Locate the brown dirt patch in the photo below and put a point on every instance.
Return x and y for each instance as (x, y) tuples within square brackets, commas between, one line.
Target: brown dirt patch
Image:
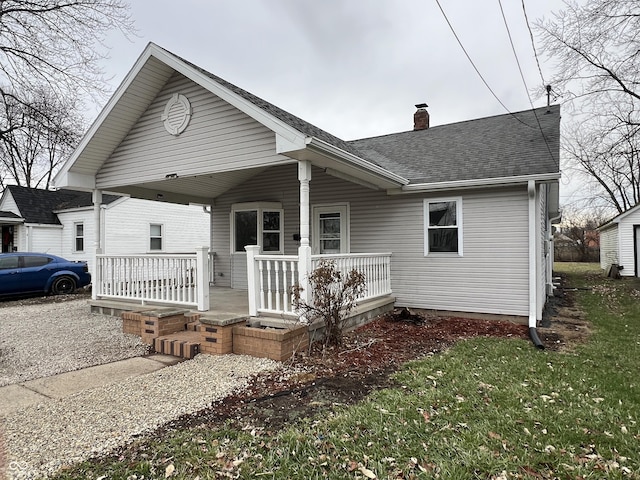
[(564, 327)]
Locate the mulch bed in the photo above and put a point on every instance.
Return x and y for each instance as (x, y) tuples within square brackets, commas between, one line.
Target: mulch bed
[(346, 374)]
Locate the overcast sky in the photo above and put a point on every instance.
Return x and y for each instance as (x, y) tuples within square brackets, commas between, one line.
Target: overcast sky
[(355, 68)]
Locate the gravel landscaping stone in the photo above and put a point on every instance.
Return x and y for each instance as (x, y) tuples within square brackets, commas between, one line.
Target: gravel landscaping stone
[(41, 439), (44, 339)]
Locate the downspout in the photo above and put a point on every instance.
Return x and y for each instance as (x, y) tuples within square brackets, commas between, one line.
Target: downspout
[(533, 266)]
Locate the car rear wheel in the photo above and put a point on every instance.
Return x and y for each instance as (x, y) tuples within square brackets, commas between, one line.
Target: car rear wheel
[(63, 285)]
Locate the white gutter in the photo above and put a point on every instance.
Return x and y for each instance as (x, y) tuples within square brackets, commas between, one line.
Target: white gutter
[(323, 147), (474, 183)]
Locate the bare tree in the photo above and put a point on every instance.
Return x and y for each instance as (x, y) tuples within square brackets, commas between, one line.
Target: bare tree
[(49, 61), (57, 44), (596, 46), (607, 149), (42, 133), (577, 238)]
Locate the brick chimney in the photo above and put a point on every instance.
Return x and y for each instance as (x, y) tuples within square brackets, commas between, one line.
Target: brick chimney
[(421, 117)]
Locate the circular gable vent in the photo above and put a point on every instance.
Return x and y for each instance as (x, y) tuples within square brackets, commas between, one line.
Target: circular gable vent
[(177, 114)]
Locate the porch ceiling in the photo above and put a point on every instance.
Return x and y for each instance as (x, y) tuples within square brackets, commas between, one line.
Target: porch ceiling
[(200, 189)]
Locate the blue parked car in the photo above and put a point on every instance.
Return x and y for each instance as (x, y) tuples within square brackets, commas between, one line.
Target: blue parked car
[(40, 273)]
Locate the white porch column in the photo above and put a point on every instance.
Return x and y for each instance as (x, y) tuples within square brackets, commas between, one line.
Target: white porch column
[(202, 278), (253, 281), (304, 250), (97, 247)]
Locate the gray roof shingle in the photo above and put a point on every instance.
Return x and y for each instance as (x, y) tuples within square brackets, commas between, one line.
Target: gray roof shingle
[(9, 215), (288, 118), (38, 206), (493, 147), (514, 144)]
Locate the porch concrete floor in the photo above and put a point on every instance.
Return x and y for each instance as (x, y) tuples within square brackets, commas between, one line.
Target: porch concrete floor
[(221, 300)]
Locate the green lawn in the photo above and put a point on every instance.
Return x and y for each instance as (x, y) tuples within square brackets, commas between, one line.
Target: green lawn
[(486, 408)]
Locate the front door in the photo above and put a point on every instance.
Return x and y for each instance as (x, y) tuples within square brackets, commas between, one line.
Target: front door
[(330, 229), (7, 238)]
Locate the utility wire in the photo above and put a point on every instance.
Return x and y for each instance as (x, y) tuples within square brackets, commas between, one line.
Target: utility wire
[(524, 82), (533, 43), (474, 65)]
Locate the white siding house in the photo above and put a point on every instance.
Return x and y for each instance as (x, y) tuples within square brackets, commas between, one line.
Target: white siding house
[(463, 211), (63, 223), (620, 243)]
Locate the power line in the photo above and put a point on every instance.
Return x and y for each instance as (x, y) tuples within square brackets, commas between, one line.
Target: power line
[(533, 43), (474, 65), (524, 82)]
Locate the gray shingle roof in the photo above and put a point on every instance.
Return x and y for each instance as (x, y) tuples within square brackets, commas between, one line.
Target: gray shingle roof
[(288, 118), (492, 147), (8, 215), (38, 206)]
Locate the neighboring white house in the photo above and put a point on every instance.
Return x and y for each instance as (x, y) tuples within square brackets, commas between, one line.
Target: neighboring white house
[(63, 223), (461, 212), (620, 243)]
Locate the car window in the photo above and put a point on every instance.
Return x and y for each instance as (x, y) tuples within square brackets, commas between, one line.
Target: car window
[(36, 261), (8, 263)]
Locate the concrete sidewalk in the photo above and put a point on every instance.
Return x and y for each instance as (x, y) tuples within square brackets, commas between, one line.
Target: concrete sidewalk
[(20, 395)]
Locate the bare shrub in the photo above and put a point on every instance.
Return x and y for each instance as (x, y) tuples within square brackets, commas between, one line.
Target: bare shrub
[(333, 296)]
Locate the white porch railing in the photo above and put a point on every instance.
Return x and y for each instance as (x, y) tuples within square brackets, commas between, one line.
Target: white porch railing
[(270, 278), (172, 279), (269, 283), (376, 268)]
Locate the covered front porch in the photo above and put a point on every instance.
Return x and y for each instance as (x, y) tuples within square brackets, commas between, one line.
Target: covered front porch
[(192, 138), (130, 282)]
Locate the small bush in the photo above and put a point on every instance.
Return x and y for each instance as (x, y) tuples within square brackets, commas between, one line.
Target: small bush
[(334, 295)]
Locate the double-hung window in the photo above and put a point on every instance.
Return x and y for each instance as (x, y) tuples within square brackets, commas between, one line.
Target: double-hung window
[(330, 228), (443, 226), (78, 231), (257, 224), (155, 236)]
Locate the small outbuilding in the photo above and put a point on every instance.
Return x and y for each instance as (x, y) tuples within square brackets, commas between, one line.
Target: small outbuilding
[(620, 243)]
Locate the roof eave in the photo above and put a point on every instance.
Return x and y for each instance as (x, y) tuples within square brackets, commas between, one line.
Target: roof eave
[(474, 183), (385, 178), (288, 137)]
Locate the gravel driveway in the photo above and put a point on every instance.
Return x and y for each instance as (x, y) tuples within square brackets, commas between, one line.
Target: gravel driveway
[(52, 337), (40, 338)]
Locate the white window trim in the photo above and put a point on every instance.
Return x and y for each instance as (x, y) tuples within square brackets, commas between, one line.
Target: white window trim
[(459, 224), (162, 238), (345, 225), (76, 237), (260, 208)]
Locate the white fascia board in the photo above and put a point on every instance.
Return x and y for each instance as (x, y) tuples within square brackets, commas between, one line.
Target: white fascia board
[(11, 220), (43, 225), (285, 145), (474, 183), (326, 148), (620, 217), (75, 181), (608, 225), (61, 179), (123, 198), (287, 132), (88, 208)]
